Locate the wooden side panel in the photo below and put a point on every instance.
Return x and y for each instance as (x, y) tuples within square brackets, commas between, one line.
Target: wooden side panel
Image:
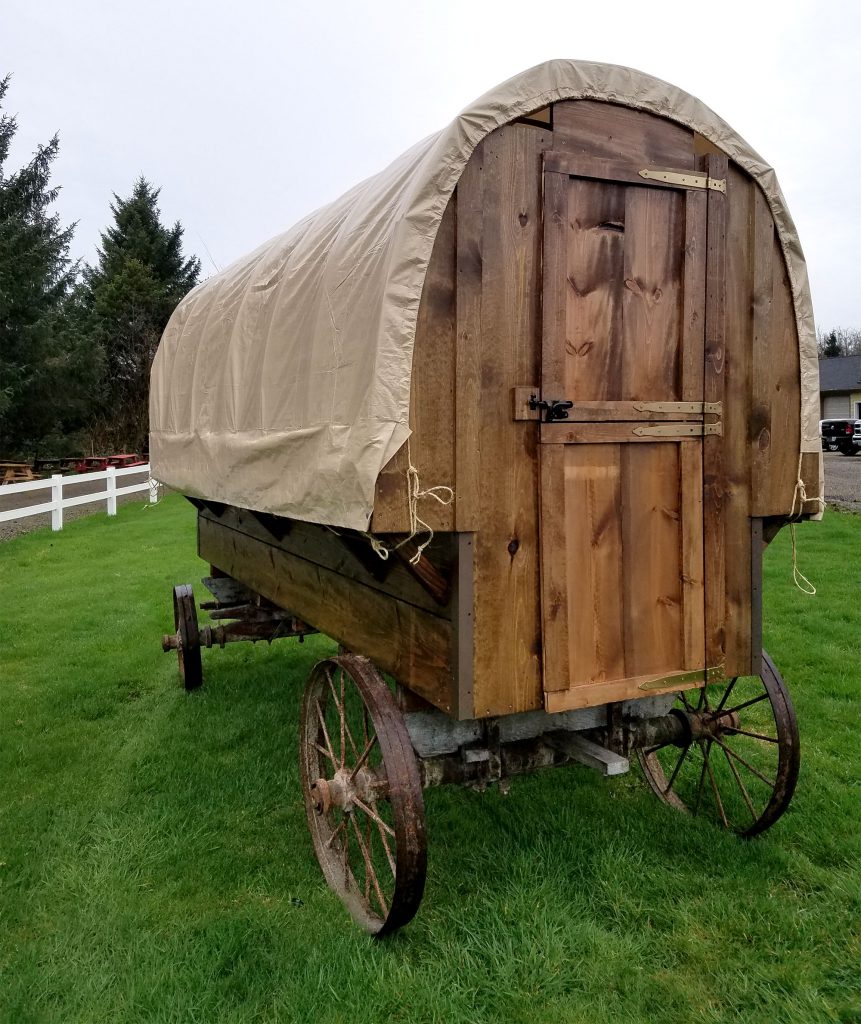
[(411, 644), (507, 619), (432, 400), (776, 389)]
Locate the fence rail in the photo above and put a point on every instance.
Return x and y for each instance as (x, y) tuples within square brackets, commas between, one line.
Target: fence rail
[(58, 482)]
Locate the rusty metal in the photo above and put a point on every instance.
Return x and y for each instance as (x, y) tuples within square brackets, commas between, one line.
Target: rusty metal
[(747, 797), (254, 619), (187, 637), (363, 794)]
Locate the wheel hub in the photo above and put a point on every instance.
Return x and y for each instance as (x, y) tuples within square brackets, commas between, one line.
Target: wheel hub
[(343, 789)]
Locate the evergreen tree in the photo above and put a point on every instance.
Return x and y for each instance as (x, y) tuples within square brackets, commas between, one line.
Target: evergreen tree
[(830, 346), (125, 303), (35, 276)]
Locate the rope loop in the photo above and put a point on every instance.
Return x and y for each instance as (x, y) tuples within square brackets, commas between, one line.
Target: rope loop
[(444, 495)]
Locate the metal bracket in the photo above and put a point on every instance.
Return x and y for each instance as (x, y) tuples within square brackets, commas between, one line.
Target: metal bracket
[(681, 408), (680, 430), (715, 674), (685, 179)]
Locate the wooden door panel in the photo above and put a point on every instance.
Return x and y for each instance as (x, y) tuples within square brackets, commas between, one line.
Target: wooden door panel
[(622, 482), (625, 276), (633, 574)]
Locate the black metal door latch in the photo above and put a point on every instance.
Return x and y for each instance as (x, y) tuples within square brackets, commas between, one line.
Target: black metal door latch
[(554, 409)]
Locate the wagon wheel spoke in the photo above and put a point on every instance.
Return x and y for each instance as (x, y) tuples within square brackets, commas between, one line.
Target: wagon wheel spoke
[(364, 804), (747, 764), (369, 867), (753, 735), (753, 724), (741, 707), (675, 770), (744, 793), (716, 791), (725, 695), (699, 797), (369, 745)]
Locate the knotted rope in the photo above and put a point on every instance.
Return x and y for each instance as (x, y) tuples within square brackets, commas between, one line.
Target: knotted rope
[(800, 496), (417, 524)]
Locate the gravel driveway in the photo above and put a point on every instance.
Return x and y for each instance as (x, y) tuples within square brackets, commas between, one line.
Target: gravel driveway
[(843, 480)]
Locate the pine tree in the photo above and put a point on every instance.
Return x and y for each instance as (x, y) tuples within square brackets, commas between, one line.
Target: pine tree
[(126, 301), (35, 276)]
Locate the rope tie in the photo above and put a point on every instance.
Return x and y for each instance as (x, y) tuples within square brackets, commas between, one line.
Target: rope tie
[(444, 495), (800, 496)]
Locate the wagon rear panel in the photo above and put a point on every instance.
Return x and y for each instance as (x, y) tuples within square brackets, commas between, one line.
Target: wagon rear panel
[(684, 551)]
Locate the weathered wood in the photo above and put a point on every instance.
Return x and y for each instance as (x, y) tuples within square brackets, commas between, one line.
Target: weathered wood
[(692, 594), (611, 132), (411, 644), (432, 413), (507, 618), (736, 430), (351, 555), (714, 385), (613, 690), (614, 433), (469, 342), (463, 626)]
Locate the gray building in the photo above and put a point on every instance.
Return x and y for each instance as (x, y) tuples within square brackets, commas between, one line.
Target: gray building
[(840, 387)]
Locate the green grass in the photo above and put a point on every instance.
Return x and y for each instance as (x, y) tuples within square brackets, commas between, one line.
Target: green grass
[(155, 863)]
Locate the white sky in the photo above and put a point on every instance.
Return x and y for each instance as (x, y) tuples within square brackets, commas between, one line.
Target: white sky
[(250, 114)]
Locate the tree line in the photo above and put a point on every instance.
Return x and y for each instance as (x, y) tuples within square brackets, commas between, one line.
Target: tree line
[(839, 341), (77, 341)]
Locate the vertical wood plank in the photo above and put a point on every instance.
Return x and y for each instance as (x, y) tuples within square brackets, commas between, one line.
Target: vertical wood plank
[(555, 265), (508, 623), (594, 562), (654, 244), (469, 342), (736, 429), (693, 321), (714, 484), (692, 594), (555, 644), (592, 335), (651, 558)]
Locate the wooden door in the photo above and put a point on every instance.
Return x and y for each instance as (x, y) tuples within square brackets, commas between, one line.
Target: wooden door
[(632, 575)]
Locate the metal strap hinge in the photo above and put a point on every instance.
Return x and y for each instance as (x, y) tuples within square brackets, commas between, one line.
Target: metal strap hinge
[(680, 408), (679, 430), (684, 179)]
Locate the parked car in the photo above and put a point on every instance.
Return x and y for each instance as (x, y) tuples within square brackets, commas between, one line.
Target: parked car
[(840, 436)]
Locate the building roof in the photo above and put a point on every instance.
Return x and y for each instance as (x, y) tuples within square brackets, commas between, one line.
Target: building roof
[(840, 373)]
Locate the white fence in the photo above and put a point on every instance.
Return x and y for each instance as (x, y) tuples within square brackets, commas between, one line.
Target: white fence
[(57, 503)]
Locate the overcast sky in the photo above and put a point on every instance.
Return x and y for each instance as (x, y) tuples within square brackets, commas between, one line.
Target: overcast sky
[(250, 114)]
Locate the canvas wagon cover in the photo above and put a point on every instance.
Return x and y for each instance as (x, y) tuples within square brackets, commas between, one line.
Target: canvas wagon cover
[(282, 384)]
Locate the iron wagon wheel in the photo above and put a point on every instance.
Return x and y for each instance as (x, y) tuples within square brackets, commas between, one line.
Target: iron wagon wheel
[(363, 795), (188, 634), (740, 758)]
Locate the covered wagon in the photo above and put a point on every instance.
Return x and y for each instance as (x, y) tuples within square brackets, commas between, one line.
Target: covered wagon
[(511, 421)]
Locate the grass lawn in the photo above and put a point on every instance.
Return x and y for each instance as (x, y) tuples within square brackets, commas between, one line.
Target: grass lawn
[(155, 863)]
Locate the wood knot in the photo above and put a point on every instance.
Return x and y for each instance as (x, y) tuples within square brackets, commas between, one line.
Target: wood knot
[(513, 546), (764, 439), (523, 218)]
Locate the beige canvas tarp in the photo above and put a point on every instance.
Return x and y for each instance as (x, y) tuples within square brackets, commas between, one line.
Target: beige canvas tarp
[(282, 384)]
